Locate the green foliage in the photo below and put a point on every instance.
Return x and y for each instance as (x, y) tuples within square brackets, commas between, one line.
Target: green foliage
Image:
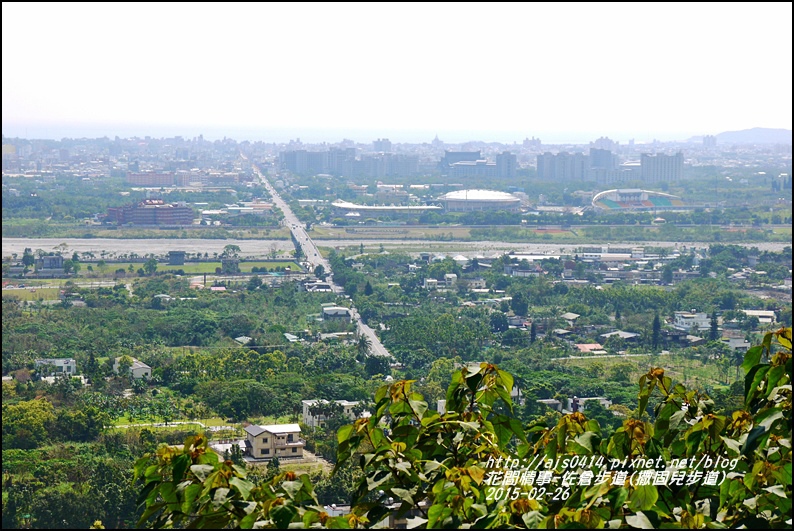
[(438, 466), (191, 487), (27, 424)]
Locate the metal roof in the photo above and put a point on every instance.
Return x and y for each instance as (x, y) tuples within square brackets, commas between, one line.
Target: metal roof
[(479, 195)]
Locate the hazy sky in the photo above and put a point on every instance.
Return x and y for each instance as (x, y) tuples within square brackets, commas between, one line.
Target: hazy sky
[(502, 72)]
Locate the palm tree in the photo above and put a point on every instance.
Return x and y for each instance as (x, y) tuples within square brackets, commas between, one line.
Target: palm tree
[(363, 346)]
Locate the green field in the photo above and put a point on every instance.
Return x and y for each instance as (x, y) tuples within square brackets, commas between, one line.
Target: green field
[(33, 293), (690, 372)]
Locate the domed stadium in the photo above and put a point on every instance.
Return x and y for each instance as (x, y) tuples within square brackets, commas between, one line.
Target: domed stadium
[(474, 200), (635, 199)]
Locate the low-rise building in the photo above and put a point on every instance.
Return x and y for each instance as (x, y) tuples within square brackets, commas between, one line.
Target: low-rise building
[(765, 317), (318, 420), (276, 440), (138, 369), (693, 320), (56, 366), (336, 313)]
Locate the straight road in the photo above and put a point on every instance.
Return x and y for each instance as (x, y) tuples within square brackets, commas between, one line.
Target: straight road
[(314, 258)]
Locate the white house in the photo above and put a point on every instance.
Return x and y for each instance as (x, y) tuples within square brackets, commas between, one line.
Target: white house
[(315, 421), (687, 320), (58, 366), (765, 317), (431, 284), (138, 369)]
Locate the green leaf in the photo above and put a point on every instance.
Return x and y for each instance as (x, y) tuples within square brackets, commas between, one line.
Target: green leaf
[(202, 471), (168, 492), (282, 515), (643, 498), (191, 493), (378, 479), (532, 519), (180, 466), (773, 377), (144, 495), (419, 406), (292, 488), (639, 521), (777, 490), (433, 514), (768, 417), (403, 494), (243, 486), (752, 357), (221, 495), (753, 440), (732, 444), (249, 520), (751, 381), (344, 433), (588, 441)]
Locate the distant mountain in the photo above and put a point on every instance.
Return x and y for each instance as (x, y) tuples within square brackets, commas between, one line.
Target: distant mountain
[(756, 135)]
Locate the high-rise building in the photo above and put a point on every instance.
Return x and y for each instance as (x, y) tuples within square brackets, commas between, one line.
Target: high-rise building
[(451, 157), (301, 161), (658, 168), (382, 145), (605, 143), (603, 159), (563, 166), (506, 165)]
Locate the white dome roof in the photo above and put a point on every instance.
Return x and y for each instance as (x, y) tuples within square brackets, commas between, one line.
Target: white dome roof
[(479, 195)]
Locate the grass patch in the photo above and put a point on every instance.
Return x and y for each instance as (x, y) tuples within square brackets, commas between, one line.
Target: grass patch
[(33, 293), (690, 372)]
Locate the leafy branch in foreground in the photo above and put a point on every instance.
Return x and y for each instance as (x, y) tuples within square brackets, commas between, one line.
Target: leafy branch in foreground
[(451, 470)]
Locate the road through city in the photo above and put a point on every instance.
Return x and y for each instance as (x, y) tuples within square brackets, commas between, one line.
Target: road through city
[(313, 258)]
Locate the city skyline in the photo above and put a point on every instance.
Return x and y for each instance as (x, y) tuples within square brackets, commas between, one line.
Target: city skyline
[(501, 73)]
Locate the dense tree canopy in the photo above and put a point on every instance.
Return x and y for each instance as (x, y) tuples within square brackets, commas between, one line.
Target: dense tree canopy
[(451, 470)]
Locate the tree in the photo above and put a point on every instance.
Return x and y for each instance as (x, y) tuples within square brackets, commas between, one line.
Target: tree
[(714, 330), (519, 304), (231, 251), (363, 346), (447, 469), (124, 366), (499, 322), (70, 266), (28, 258), (150, 266), (319, 271), (368, 289), (27, 424), (656, 332), (667, 274), (377, 365), (533, 332), (254, 283)]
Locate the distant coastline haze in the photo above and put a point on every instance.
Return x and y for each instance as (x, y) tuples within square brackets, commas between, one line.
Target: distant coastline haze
[(565, 73)]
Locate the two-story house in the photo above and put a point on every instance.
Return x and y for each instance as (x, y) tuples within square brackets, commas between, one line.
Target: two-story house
[(276, 440), (315, 421), (693, 320), (55, 366)]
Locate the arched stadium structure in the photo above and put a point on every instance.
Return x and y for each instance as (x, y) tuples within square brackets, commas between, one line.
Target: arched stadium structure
[(476, 200), (635, 199)]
